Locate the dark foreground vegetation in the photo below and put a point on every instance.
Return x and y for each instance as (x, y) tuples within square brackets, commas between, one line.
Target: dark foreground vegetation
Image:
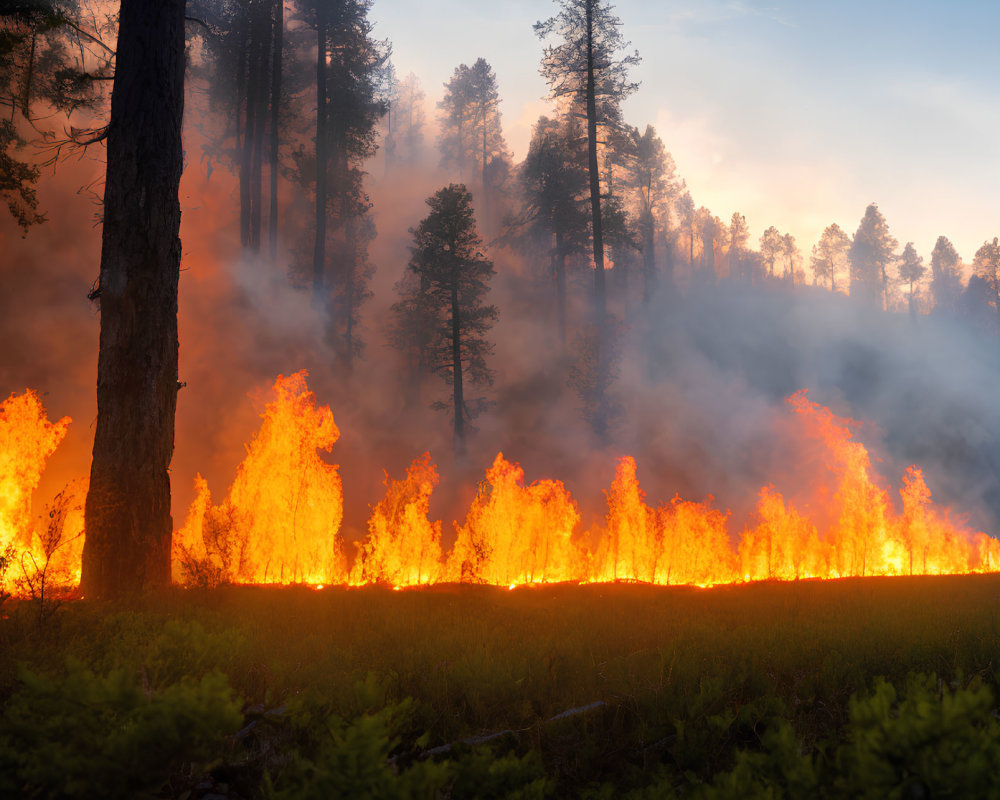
[(867, 687)]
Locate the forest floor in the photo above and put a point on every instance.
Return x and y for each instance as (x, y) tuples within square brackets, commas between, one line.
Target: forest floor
[(472, 691)]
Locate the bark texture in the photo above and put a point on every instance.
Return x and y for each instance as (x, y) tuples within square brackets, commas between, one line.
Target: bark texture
[(127, 512)]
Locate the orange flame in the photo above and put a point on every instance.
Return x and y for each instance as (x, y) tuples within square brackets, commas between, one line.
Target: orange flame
[(27, 439), (517, 534), (403, 547), (280, 521)]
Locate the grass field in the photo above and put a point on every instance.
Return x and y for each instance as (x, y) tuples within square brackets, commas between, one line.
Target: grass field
[(674, 682)]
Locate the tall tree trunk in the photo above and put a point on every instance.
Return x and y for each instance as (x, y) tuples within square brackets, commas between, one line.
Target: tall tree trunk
[(350, 271), (456, 364), (243, 129), (322, 157), (260, 48), (560, 269), (127, 514), (600, 301), (648, 258), (276, 53), (486, 191)]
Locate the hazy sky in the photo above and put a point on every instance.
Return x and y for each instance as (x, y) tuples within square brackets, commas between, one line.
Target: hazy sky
[(797, 114)]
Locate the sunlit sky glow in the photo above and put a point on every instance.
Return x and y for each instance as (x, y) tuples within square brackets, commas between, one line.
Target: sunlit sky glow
[(797, 114)]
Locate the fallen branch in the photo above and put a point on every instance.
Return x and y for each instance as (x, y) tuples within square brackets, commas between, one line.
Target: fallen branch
[(475, 741)]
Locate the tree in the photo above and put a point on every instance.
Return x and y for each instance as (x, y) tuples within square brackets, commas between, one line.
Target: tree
[(348, 107), (873, 251), (242, 64), (713, 239), (452, 279), (554, 185), (471, 134), (50, 60), (586, 69), (739, 235), (946, 275), (986, 264), (409, 130), (829, 255), (654, 182), (911, 270), (772, 247), (792, 255), (127, 515), (688, 219)]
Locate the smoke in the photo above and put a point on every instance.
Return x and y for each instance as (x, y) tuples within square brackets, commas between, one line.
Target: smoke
[(702, 382)]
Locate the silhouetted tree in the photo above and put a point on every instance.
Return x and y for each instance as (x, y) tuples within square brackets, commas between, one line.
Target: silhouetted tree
[(447, 302), (739, 235), (127, 512), (688, 221), (50, 60), (242, 66), (829, 255), (986, 264), (348, 107), (587, 69), (793, 257), (654, 182), (946, 275), (772, 247), (554, 185), (911, 271), (873, 251), (471, 134), (409, 122)]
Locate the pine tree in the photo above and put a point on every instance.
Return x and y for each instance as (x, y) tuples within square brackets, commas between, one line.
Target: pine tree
[(655, 186), (986, 265), (739, 235), (447, 302), (52, 57), (554, 186), (586, 68), (911, 271), (471, 135), (829, 255), (946, 275), (127, 513), (409, 123), (872, 253), (348, 107), (772, 247)]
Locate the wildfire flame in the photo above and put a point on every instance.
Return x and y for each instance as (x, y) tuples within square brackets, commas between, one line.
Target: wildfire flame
[(516, 534), (280, 521), (403, 547), (27, 439)]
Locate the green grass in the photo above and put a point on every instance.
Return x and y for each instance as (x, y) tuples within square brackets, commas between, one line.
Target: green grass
[(688, 677)]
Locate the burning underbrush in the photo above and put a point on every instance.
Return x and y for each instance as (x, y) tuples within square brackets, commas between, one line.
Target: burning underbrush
[(280, 521)]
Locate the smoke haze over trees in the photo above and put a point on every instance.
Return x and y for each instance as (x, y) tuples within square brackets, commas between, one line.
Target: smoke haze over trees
[(307, 244)]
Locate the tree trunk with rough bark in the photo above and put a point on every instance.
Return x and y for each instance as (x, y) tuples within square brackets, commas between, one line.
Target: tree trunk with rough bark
[(322, 158), (600, 303), (127, 514), (276, 54)]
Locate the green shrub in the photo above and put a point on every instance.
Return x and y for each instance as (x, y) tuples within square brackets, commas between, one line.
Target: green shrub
[(87, 735), (928, 741), (336, 758)]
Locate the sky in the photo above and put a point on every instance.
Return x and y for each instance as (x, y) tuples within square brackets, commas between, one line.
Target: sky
[(796, 114)]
